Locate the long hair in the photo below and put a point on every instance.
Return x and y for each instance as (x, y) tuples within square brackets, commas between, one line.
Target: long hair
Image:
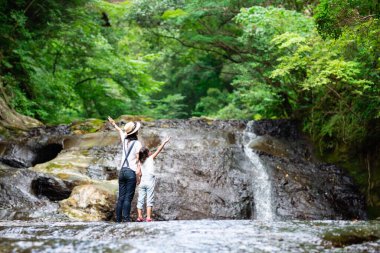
[(132, 137), (143, 154)]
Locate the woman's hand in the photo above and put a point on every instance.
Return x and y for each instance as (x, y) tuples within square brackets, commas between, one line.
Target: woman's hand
[(111, 121), (138, 174)]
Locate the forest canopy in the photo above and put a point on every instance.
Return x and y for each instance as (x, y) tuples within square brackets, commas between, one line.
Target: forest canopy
[(313, 61), (316, 62)]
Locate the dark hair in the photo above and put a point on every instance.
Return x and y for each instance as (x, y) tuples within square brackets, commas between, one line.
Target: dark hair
[(143, 154), (132, 137)]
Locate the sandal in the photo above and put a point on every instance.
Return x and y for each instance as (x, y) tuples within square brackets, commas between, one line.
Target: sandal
[(140, 220), (148, 220)]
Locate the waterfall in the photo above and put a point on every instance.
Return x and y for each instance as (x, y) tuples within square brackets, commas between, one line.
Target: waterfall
[(260, 180)]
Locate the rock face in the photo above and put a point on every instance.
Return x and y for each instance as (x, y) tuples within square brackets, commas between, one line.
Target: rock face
[(304, 188), (210, 169), (36, 146), (202, 173), (18, 201), (51, 187)]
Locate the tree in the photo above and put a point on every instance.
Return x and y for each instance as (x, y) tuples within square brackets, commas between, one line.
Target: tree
[(73, 65)]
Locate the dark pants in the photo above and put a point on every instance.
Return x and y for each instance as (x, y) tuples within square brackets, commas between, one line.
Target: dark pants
[(127, 186)]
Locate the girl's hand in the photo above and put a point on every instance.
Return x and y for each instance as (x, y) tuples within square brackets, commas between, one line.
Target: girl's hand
[(160, 147)]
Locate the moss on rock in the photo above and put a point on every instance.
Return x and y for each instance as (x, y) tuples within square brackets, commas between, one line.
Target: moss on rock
[(126, 118), (352, 235), (87, 126)]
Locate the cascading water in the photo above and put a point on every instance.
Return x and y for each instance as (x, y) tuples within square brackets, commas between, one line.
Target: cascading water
[(260, 179)]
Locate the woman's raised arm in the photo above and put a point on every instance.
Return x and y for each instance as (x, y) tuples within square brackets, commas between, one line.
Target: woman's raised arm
[(116, 127)]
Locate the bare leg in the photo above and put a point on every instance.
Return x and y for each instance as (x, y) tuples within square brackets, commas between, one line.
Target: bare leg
[(149, 212), (139, 213)]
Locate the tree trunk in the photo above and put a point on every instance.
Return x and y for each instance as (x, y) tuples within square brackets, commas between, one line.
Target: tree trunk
[(10, 119)]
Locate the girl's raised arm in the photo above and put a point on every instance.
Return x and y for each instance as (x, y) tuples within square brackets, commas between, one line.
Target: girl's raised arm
[(160, 147)]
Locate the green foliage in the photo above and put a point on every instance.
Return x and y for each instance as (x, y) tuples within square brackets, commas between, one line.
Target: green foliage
[(76, 67), (212, 103), (170, 107), (255, 93), (169, 14), (194, 39), (337, 91), (332, 16)]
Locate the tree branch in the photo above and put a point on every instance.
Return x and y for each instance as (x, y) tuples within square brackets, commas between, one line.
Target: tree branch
[(56, 61), (183, 43), (86, 79), (340, 97), (28, 6)]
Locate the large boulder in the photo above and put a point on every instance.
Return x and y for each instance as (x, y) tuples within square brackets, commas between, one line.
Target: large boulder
[(92, 202)]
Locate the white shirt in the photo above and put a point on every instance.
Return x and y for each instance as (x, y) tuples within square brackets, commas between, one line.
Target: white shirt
[(132, 158), (147, 169)]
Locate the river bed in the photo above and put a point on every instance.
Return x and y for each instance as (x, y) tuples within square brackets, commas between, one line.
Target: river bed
[(180, 236)]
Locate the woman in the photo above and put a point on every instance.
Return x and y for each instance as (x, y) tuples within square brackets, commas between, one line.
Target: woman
[(130, 172)]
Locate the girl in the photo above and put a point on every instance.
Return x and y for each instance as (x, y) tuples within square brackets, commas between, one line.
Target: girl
[(148, 181), (129, 169)]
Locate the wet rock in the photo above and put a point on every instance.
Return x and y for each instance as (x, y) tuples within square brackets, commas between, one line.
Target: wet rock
[(16, 155), (84, 159), (279, 129), (92, 202), (303, 188), (52, 133), (40, 145), (270, 146), (69, 166), (200, 173), (53, 188), (18, 200), (343, 237), (22, 155)]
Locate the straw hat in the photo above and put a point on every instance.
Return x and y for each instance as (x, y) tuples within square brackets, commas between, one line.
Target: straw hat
[(131, 127)]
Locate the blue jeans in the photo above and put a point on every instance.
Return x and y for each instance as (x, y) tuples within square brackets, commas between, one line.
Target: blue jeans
[(127, 186)]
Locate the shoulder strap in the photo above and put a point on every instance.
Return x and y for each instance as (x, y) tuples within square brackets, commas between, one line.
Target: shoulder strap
[(127, 154)]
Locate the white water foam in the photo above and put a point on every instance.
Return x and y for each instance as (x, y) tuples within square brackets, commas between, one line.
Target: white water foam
[(260, 180)]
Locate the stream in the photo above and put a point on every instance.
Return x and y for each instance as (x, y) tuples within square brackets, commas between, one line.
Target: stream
[(179, 236)]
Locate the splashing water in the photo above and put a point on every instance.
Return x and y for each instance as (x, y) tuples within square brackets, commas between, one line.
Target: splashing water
[(260, 179)]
